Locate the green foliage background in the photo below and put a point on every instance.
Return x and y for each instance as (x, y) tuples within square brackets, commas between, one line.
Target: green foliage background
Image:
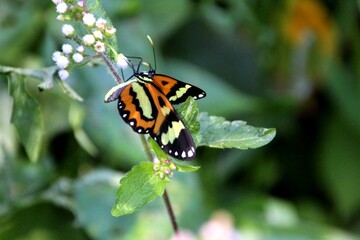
[(303, 185)]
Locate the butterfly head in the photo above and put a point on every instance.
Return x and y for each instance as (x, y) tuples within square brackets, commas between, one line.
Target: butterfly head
[(148, 74)]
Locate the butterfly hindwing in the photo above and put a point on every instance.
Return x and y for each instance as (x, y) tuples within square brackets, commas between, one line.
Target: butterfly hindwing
[(175, 139), (176, 91), (169, 131)]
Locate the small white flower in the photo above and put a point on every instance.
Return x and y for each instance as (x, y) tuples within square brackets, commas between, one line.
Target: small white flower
[(109, 31), (57, 1), (77, 57), (99, 47), (97, 34), (63, 74), (67, 30), (80, 49), (61, 8), (67, 48), (121, 61), (88, 39), (81, 3), (56, 55), (101, 23), (62, 62), (89, 19)]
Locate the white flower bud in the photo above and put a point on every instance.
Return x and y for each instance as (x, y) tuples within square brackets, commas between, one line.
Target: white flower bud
[(88, 39), (121, 61), (56, 55), (80, 49), (57, 1), (81, 3), (67, 48), (62, 62), (109, 31), (67, 30), (61, 8), (63, 74), (89, 19), (101, 23), (77, 57), (99, 47), (97, 34)]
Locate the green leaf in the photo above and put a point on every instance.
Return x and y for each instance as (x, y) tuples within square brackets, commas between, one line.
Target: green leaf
[(69, 91), (46, 76), (216, 132), (160, 154), (186, 168), (43, 74), (76, 119), (138, 187), (26, 117), (189, 112)]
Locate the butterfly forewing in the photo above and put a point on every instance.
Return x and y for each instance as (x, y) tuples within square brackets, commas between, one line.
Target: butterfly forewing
[(137, 109), (176, 91)]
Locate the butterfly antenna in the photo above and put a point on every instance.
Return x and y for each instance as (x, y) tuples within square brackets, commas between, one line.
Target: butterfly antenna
[(153, 48)]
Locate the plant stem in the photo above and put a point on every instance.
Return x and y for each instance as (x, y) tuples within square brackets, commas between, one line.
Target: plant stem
[(165, 195), (111, 67), (170, 212), (146, 148)]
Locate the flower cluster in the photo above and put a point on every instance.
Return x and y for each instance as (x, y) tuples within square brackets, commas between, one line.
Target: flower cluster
[(98, 33), (62, 59), (164, 168)]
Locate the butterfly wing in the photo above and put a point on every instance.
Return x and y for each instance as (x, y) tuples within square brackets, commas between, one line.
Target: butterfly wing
[(176, 91), (169, 131), (147, 110), (136, 109)]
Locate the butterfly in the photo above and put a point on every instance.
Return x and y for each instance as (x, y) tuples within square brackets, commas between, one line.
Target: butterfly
[(145, 102)]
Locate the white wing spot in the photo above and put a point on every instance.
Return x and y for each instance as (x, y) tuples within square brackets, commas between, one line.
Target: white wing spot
[(201, 95), (175, 153), (147, 130), (170, 151), (190, 153), (192, 149), (125, 115), (132, 123), (155, 139), (139, 130), (183, 154), (195, 97), (162, 146)]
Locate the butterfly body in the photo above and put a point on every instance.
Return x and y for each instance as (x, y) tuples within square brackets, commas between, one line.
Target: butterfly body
[(145, 103)]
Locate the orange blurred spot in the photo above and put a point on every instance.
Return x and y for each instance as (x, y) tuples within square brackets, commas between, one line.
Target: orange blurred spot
[(309, 17)]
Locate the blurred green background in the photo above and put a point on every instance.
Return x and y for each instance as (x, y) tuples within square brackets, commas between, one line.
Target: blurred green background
[(289, 64)]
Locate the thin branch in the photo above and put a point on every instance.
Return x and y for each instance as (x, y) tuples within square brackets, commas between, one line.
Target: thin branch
[(170, 212), (112, 68), (146, 148)]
